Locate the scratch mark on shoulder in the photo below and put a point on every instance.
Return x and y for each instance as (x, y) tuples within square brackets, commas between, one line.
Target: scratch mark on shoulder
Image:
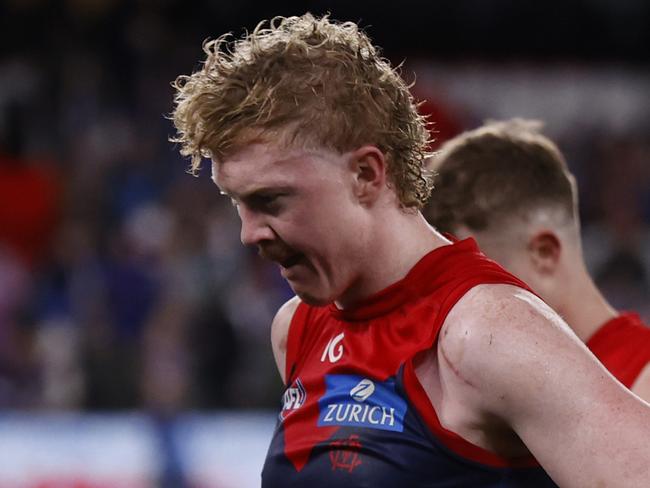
[(455, 369)]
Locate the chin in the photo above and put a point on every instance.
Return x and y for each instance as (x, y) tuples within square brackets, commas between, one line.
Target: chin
[(313, 299)]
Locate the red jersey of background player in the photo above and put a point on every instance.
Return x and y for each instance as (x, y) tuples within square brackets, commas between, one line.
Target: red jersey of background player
[(623, 346)]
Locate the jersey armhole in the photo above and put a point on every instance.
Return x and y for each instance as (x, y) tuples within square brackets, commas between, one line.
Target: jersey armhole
[(452, 441), (420, 400)]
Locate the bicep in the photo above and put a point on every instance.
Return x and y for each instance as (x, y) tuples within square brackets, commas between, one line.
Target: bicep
[(527, 368), (280, 333)]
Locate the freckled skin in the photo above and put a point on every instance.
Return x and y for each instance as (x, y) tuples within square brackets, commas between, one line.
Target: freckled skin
[(454, 369), (309, 217), (529, 382)]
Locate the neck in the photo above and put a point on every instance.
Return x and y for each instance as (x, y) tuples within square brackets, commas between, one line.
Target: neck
[(584, 307), (398, 243)]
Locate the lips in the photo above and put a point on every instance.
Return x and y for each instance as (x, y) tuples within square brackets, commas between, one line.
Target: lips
[(291, 261), (284, 256)]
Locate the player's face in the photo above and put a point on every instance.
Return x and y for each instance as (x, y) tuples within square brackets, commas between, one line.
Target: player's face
[(297, 207)]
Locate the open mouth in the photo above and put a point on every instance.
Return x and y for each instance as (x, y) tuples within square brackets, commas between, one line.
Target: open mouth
[(291, 261)]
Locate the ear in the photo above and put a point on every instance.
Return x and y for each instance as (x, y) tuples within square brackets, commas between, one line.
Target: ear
[(368, 167), (545, 248)]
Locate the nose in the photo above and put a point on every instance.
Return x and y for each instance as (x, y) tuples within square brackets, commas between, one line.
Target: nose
[(254, 228)]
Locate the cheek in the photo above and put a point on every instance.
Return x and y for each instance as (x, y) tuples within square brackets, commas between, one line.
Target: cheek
[(331, 234), (506, 256), (513, 263), (331, 253), (529, 279), (524, 272)]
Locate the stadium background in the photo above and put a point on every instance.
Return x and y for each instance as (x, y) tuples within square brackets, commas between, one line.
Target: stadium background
[(133, 325)]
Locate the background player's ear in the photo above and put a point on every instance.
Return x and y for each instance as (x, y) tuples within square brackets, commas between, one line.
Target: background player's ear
[(545, 248), (368, 166)]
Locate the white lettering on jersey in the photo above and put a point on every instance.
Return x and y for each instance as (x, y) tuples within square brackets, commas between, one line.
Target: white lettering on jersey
[(348, 414), (293, 398), (334, 350)]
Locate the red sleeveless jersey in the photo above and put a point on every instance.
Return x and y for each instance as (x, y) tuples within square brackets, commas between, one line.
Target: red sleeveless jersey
[(623, 346), (354, 413)]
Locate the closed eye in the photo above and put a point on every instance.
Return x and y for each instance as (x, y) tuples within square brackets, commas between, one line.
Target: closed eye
[(270, 203)]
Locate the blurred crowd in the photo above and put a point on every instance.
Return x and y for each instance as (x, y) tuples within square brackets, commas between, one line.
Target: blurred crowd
[(122, 280)]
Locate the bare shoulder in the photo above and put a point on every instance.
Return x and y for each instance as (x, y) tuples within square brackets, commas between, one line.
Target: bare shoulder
[(511, 357), (281, 322), (280, 332), (642, 384), (503, 335), (497, 311)]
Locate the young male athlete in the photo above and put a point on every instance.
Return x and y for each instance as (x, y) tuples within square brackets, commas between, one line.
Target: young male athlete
[(509, 187), (409, 361)]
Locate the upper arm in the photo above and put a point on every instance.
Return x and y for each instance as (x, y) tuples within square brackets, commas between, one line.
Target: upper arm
[(641, 385), (280, 333), (520, 362)]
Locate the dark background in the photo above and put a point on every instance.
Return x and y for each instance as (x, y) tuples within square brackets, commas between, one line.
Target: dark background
[(122, 281)]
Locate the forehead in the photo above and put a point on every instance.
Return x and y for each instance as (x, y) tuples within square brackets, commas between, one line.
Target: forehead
[(265, 165)]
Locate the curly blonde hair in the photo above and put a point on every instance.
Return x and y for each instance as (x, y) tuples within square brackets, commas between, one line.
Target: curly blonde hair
[(316, 82)]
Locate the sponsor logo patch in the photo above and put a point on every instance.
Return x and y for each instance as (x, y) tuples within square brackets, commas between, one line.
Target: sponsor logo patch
[(334, 349), (355, 401)]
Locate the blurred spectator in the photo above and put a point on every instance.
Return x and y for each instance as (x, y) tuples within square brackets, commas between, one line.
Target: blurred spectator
[(114, 296), (30, 193), (624, 279)]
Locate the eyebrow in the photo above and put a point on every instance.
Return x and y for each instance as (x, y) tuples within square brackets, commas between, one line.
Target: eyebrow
[(256, 192), (263, 189)]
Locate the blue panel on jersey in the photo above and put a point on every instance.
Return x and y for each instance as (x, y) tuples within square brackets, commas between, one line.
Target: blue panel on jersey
[(356, 401)]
